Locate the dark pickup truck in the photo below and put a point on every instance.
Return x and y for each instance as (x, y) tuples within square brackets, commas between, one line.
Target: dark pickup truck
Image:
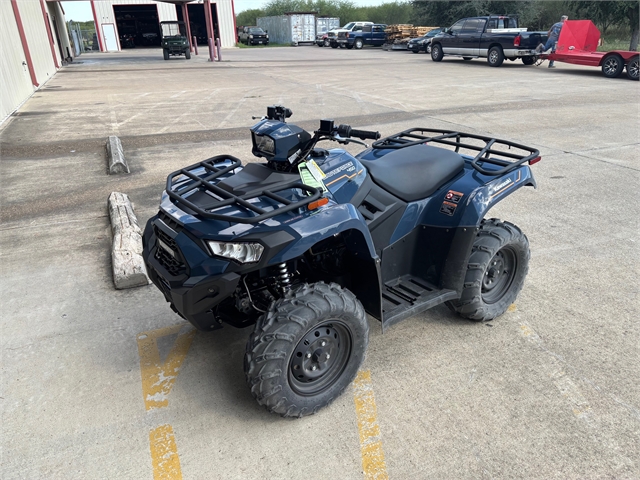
[(253, 36), (369, 35), (494, 37)]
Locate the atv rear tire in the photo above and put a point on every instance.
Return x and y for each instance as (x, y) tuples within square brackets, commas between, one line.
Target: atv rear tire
[(165, 53), (497, 267), (529, 60), (306, 349)]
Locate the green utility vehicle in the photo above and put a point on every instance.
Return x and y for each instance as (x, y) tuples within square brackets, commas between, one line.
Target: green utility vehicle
[(174, 39)]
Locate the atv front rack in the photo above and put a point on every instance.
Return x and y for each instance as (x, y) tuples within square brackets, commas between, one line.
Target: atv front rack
[(489, 150), (200, 194)]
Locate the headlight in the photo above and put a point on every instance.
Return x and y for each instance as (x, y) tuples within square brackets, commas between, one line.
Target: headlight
[(240, 252), (250, 36), (265, 144), (267, 37)]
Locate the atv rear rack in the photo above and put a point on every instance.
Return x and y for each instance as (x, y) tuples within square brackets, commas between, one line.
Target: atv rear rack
[(485, 146), (201, 195)]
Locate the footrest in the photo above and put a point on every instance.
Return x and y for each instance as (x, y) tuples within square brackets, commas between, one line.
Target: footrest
[(407, 296)]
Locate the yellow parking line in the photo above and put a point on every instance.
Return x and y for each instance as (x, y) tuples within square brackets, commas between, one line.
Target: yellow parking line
[(373, 464), (158, 377), (164, 454)]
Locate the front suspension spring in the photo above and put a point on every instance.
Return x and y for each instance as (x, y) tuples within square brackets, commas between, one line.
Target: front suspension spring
[(283, 277)]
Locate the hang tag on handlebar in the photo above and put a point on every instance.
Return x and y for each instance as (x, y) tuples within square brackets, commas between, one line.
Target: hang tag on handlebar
[(315, 170), (308, 178)]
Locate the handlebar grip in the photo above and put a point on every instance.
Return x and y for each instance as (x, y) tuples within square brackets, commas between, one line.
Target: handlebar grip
[(364, 134)]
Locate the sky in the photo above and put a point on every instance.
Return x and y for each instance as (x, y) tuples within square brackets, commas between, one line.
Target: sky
[(81, 11), (77, 11)]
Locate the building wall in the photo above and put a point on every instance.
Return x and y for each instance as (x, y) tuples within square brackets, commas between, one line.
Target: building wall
[(55, 11), (226, 21), (104, 9), (167, 11), (16, 82)]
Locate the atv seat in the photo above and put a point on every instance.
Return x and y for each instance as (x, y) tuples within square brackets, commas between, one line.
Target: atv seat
[(415, 172)]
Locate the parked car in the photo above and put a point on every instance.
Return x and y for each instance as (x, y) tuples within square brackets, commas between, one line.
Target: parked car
[(332, 35), (423, 44), (369, 35), (253, 36), (494, 37), (322, 40)]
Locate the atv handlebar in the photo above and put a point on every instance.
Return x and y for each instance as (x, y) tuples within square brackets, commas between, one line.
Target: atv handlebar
[(346, 131)]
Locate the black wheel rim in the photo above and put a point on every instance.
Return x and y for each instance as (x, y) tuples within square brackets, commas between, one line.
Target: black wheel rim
[(499, 275), (320, 358)]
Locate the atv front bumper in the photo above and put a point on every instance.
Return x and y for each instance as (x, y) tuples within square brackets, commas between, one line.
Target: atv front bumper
[(193, 290)]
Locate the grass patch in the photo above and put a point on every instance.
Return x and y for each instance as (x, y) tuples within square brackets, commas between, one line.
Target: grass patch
[(271, 45), (614, 44)]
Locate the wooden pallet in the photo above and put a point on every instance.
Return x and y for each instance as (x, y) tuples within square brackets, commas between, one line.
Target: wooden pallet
[(406, 31)]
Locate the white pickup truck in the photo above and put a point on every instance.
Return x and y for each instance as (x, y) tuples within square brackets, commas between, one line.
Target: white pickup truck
[(332, 35)]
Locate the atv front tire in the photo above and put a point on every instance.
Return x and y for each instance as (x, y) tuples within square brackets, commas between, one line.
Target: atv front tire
[(497, 267), (306, 349)]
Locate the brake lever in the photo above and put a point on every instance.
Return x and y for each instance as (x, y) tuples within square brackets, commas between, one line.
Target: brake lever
[(346, 141)]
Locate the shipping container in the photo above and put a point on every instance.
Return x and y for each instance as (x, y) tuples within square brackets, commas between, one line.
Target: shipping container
[(324, 24), (291, 28)]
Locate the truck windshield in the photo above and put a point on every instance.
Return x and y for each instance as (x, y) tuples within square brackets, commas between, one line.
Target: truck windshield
[(349, 26), (173, 30), (256, 31)]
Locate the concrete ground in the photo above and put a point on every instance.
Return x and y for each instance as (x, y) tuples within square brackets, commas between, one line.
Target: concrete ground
[(90, 387)]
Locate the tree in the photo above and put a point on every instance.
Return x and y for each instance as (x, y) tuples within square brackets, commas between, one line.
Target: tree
[(249, 17), (607, 13), (631, 11)]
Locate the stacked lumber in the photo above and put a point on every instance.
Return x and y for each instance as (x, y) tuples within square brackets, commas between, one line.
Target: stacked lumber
[(403, 32), (398, 32)]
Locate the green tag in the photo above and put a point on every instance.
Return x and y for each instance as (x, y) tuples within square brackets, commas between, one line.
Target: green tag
[(308, 179)]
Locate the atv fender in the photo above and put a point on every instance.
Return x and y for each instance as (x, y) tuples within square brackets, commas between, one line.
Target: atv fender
[(346, 220), (483, 198), (475, 208)]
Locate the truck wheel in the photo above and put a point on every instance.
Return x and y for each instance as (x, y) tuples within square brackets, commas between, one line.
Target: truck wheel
[(436, 52), (187, 55), (326, 43), (307, 349), (632, 68), (358, 43), (495, 57), (334, 45), (529, 60), (428, 49), (497, 267), (612, 66), (165, 52)]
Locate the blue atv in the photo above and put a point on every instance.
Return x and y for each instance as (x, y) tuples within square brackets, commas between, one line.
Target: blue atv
[(304, 245)]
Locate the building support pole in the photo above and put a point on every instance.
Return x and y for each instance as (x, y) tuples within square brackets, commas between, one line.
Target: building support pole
[(25, 45), (185, 17), (209, 21), (97, 25), (235, 27)]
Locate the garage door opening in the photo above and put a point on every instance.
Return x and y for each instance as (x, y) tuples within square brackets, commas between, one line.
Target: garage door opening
[(198, 23), (138, 25)]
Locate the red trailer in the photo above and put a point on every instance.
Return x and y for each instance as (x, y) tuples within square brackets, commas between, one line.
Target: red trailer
[(578, 43)]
